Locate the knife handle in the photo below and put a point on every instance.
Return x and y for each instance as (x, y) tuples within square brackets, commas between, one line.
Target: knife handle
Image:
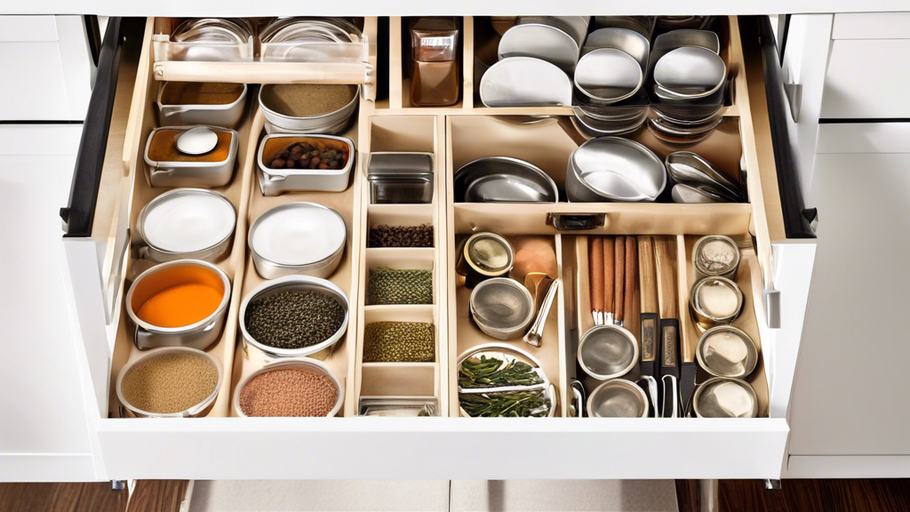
[(670, 397), (669, 347), (650, 327)]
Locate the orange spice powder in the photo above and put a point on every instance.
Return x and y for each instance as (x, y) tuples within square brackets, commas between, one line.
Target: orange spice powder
[(180, 305)]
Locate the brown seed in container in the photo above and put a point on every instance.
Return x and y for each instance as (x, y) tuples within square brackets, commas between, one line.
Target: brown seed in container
[(200, 93), (307, 100), (289, 392), (170, 383)]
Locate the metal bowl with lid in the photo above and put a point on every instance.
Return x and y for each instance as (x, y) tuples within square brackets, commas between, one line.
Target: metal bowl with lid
[(721, 397), (502, 179), (715, 255), (617, 398), (190, 223), (725, 351), (607, 351)]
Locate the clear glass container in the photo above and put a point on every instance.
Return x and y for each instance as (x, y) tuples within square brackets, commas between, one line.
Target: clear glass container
[(435, 75)]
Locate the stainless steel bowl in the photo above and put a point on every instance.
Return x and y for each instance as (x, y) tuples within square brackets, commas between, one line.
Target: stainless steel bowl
[(502, 308), (306, 364), (543, 37), (689, 167), (502, 179), (273, 182), (614, 169), (690, 72), (330, 123), (289, 246), (198, 410), (299, 283), (607, 351), (618, 398), (592, 127), (725, 351), (725, 398), (608, 75), (172, 211), (199, 335), (525, 82), (193, 173), (625, 39)]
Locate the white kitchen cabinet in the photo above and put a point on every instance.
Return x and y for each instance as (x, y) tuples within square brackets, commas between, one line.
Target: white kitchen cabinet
[(221, 446)]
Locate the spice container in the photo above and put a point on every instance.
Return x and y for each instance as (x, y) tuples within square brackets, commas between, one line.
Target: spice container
[(607, 351), (297, 238), (400, 286), (482, 256), (289, 388), (191, 156), (725, 351), (187, 223), (435, 73), (502, 308), (399, 406), (308, 108), (617, 398), (293, 316), (497, 380), (400, 178), (210, 103), (715, 256), (289, 163), (179, 303), (715, 301), (399, 342), (401, 236), (174, 382), (725, 398)]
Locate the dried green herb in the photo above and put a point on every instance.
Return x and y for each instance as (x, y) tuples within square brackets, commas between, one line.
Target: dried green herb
[(517, 404), (401, 236), (293, 319), (399, 342), (394, 286), (489, 372)]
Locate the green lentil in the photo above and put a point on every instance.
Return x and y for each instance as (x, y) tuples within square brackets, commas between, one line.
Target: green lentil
[(294, 318), (399, 342), (393, 286)]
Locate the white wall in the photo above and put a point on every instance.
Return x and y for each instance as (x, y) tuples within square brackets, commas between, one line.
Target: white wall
[(43, 429)]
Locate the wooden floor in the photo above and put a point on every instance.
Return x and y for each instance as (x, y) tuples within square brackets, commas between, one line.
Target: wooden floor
[(735, 496)]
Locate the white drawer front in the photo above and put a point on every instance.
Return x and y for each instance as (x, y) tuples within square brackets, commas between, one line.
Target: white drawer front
[(882, 25), (864, 138), (867, 79), (27, 28)]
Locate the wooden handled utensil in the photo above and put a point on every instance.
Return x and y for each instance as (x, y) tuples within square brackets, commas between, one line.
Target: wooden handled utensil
[(596, 264), (650, 322), (606, 277), (669, 325), (619, 279), (631, 273)]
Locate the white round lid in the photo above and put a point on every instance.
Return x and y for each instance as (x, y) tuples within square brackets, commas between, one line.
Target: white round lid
[(188, 220), (298, 234)]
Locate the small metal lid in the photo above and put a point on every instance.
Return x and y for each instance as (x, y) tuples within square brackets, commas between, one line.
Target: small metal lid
[(400, 166), (716, 300), (607, 351), (716, 255), (618, 398), (725, 398), (725, 351), (187, 221), (489, 253)]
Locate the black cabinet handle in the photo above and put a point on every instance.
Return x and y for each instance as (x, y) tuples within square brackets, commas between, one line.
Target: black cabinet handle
[(757, 36), (79, 214)]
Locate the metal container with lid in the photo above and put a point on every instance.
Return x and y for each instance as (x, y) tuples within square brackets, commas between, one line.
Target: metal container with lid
[(725, 351), (715, 256), (607, 351), (400, 177), (482, 256), (327, 123), (721, 397), (618, 398), (194, 140), (297, 238), (190, 223), (715, 301), (502, 308)]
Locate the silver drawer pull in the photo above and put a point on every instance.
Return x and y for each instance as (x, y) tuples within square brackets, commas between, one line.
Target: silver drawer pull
[(577, 221)]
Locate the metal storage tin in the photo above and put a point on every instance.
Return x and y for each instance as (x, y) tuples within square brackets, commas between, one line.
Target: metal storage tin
[(276, 181), (725, 351), (192, 174), (622, 398), (400, 177), (199, 335), (323, 267), (329, 123), (708, 260), (701, 312), (212, 252), (475, 273), (226, 115), (502, 308), (725, 398), (264, 353), (312, 365), (198, 410), (607, 351)]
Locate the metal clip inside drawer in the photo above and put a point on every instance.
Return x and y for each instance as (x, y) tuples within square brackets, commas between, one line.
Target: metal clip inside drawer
[(576, 221)]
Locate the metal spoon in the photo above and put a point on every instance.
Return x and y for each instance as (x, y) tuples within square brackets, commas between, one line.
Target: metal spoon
[(688, 167), (697, 193), (534, 334)]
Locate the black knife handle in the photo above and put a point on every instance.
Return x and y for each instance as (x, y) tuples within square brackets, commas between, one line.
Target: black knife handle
[(650, 326), (669, 347), (671, 396)]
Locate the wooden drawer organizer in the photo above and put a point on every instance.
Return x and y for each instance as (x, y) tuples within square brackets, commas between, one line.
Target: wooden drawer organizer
[(457, 135)]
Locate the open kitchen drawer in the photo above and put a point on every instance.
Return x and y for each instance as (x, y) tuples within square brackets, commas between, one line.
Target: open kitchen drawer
[(347, 446)]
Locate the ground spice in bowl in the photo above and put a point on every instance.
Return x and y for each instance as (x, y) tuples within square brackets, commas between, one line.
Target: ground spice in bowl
[(169, 383), (294, 318), (401, 236), (399, 342), (163, 147), (180, 305), (200, 93), (394, 286), (306, 100), (289, 392)]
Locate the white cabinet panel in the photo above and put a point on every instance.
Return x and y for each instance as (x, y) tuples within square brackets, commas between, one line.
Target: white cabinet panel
[(864, 138), (27, 28), (848, 397), (867, 79), (880, 25)]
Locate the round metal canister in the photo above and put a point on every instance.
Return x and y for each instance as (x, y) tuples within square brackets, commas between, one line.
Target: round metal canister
[(715, 301), (618, 398), (725, 351), (502, 308), (482, 256), (191, 223), (306, 364), (721, 397), (715, 256), (607, 351)]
